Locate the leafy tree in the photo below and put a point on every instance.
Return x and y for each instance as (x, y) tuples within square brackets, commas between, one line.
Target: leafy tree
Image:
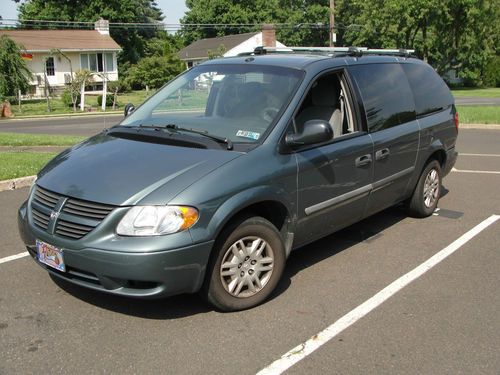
[(132, 40), (14, 74), (154, 71), (257, 12)]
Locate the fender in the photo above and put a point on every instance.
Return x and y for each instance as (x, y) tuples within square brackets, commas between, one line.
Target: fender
[(424, 155)]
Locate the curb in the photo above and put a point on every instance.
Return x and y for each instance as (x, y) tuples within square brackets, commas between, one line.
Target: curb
[(63, 116), (16, 183), (478, 126)]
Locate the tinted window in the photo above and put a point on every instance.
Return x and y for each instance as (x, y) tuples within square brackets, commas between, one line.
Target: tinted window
[(386, 95), (430, 92)]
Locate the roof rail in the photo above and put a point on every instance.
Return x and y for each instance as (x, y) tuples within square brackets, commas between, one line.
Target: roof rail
[(350, 51)]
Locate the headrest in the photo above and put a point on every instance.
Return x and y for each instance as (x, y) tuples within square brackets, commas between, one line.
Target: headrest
[(325, 93)]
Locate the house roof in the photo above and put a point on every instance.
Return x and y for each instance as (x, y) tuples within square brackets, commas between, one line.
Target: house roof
[(199, 49), (69, 40)]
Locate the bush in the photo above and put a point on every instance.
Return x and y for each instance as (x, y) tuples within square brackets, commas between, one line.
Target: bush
[(66, 98), (109, 100), (492, 72)]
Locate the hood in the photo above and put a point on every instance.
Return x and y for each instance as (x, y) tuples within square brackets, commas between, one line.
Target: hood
[(119, 171)]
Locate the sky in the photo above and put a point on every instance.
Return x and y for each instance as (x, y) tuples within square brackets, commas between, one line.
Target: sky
[(173, 10)]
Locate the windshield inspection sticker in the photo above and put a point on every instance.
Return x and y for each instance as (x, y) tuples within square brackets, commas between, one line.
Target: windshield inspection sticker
[(247, 134)]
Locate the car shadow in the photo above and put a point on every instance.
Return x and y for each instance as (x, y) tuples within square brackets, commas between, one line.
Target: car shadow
[(366, 230), (180, 306)]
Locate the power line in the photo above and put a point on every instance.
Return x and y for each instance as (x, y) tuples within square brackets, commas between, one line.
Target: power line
[(157, 25)]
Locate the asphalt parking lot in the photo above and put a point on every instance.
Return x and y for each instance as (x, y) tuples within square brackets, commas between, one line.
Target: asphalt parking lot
[(444, 321)]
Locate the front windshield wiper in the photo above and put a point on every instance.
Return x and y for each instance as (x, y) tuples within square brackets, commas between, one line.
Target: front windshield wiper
[(176, 128)]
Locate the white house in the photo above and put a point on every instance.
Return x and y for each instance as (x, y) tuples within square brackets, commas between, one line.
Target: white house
[(53, 54), (232, 45)]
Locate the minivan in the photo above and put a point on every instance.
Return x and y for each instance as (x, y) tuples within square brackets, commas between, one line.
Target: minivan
[(212, 182)]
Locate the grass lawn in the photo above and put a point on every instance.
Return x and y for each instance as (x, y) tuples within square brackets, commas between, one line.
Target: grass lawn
[(493, 92), (478, 115), (39, 106), (15, 139), (21, 164)]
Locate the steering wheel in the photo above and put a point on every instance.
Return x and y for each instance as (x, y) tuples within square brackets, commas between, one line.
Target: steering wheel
[(269, 113)]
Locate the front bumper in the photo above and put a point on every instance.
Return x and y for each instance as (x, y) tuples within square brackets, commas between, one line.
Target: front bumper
[(133, 274)]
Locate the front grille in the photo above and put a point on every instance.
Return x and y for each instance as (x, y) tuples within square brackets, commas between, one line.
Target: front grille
[(87, 209), (72, 230), (45, 197), (41, 220), (76, 217)]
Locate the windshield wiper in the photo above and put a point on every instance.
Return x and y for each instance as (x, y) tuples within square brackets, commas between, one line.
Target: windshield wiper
[(176, 128)]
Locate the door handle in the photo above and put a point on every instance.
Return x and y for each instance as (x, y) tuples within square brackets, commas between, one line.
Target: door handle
[(363, 160), (382, 154)]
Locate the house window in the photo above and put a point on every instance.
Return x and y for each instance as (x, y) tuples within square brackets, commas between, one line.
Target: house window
[(97, 62), (49, 66)]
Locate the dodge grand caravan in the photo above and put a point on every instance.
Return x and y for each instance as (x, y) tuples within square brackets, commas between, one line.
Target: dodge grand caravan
[(208, 185)]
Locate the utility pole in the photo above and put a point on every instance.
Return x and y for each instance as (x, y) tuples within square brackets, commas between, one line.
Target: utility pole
[(331, 34)]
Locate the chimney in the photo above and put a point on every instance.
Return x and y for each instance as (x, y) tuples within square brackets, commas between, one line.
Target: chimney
[(268, 35), (102, 26)]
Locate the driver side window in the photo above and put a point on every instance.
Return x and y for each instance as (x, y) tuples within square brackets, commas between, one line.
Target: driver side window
[(327, 100)]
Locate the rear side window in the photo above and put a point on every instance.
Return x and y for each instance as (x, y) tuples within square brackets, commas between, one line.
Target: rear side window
[(386, 95), (430, 92)]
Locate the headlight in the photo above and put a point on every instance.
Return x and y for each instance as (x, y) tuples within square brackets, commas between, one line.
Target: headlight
[(156, 220)]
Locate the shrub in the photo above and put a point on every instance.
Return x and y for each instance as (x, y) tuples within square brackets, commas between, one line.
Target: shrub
[(66, 98), (109, 100)]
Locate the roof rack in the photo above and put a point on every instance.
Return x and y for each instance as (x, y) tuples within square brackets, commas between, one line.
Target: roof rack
[(334, 51)]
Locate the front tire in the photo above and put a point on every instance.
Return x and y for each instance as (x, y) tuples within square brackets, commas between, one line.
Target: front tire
[(248, 262), (428, 191)]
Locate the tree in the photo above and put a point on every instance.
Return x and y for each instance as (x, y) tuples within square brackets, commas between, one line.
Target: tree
[(14, 73), (300, 13), (154, 71), (450, 34), (132, 40)]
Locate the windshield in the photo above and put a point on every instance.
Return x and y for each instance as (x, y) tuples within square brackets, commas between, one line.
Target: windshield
[(236, 102)]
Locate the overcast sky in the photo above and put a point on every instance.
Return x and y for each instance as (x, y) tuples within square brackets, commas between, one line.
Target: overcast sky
[(173, 10)]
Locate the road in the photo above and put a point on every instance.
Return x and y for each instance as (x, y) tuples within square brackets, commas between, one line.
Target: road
[(80, 125), (474, 101), (446, 321), (90, 125)]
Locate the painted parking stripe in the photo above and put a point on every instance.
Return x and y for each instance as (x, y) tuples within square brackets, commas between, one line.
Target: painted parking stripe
[(14, 257), (301, 351), (485, 155), (473, 171)]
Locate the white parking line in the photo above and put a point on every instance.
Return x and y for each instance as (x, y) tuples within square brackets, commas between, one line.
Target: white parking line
[(473, 171), (13, 257), (301, 351), (486, 155)]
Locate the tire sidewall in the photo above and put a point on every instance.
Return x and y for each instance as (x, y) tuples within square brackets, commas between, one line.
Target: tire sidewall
[(255, 226), (427, 211)]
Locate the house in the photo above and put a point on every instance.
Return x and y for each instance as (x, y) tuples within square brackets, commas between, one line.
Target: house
[(229, 45), (53, 54)]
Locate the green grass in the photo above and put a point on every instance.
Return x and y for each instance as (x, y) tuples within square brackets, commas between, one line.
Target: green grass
[(15, 140), (478, 115), (21, 164), (493, 92), (38, 107)]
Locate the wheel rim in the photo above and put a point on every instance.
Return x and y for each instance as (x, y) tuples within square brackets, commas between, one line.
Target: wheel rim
[(247, 267), (431, 188)]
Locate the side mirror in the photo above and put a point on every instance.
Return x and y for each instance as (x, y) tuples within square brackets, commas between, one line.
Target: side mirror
[(129, 108), (314, 131)]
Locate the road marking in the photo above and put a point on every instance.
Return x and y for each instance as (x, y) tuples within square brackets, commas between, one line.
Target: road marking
[(301, 351), (473, 171), (14, 257), (487, 155)]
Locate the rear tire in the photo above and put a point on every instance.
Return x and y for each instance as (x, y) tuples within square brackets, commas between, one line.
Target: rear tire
[(426, 195), (248, 260)]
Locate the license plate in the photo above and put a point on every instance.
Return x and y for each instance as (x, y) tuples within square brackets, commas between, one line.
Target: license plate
[(50, 255)]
